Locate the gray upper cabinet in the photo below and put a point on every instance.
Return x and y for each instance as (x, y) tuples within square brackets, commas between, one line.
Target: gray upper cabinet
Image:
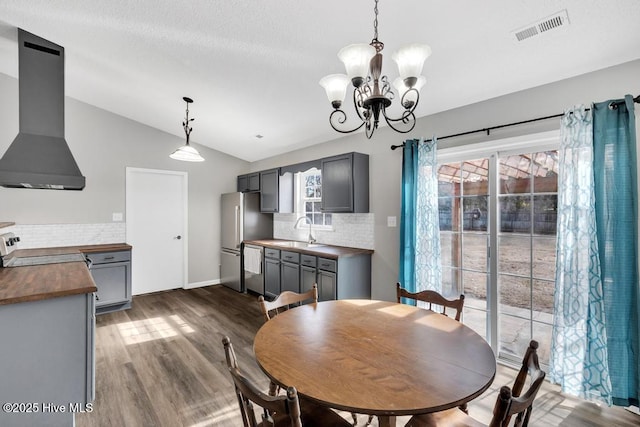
[(345, 183), (269, 190), (243, 183), (276, 192), (249, 183)]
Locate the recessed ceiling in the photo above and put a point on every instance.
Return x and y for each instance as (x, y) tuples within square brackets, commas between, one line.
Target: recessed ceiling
[(252, 67)]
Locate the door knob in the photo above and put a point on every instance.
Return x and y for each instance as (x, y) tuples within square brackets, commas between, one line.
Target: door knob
[(178, 237)]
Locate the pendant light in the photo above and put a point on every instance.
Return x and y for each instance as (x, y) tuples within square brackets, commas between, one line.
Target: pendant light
[(187, 153)]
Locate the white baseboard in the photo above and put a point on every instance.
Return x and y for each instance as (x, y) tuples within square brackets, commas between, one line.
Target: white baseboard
[(202, 284), (633, 409)]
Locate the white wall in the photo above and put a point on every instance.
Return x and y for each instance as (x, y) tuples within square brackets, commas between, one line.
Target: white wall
[(385, 165), (104, 144)]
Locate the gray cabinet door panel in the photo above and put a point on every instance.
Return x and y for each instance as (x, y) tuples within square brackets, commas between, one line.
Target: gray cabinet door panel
[(254, 181), (269, 191), (307, 278), (290, 277), (111, 281), (326, 286), (337, 184), (243, 183), (271, 277)]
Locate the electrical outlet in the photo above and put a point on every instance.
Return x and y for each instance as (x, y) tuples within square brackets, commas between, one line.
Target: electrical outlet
[(391, 221), (116, 216)]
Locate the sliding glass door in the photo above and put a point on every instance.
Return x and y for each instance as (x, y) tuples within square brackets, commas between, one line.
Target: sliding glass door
[(497, 229), (463, 202), (527, 201)]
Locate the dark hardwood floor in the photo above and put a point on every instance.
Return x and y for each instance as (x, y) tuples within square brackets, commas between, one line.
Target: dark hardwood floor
[(162, 364)]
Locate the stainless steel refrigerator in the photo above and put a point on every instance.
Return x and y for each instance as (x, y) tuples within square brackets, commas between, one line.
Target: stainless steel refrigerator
[(241, 220)]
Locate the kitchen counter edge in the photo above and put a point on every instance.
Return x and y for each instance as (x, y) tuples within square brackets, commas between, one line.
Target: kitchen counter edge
[(325, 251), (41, 282)]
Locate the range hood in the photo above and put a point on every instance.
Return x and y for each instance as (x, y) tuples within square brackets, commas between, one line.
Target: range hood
[(39, 156)]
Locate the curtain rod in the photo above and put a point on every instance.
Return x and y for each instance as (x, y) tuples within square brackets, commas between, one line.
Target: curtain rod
[(489, 129)]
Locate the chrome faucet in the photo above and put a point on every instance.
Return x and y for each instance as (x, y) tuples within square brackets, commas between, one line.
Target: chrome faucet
[(310, 239)]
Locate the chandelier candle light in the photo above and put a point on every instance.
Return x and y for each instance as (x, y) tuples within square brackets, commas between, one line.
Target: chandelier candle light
[(187, 153), (372, 93)]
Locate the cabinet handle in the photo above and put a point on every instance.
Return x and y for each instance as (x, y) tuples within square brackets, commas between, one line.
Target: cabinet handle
[(109, 258)]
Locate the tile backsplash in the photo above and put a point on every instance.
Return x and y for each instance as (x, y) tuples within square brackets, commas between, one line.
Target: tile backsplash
[(352, 230), (53, 235)]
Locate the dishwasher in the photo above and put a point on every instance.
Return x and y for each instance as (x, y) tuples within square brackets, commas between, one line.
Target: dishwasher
[(253, 266)]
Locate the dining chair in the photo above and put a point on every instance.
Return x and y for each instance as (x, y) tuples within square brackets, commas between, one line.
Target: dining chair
[(285, 301), (432, 297), (284, 410), (510, 401)]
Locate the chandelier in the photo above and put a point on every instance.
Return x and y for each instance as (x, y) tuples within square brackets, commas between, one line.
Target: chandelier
[(187, 153), (372, 93)]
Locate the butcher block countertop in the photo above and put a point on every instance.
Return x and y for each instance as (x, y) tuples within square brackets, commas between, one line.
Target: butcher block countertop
[(39, 282), (321, 250)]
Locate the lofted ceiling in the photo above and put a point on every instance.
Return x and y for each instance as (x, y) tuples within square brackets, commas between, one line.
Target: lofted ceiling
[(252, 66)]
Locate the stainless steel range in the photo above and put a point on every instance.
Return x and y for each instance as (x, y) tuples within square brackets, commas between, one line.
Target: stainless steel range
[(8, 258), (8, 243)]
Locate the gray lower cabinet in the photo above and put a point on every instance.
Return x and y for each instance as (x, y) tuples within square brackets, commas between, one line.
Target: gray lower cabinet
[(289, 271), (47, 360), (271, 273), (342, 278), (111, 272), (308, 272), (327, 279), (327, 285)]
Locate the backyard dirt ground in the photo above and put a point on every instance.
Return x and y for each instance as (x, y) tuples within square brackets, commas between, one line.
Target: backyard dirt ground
[(519, 258)]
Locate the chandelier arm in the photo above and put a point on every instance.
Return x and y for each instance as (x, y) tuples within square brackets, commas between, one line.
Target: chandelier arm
[(358, 101), (368, 130), (414, 103), (340, 119), (407, 118)]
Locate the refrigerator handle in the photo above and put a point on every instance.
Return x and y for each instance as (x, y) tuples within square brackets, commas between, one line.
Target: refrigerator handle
[(237, 208)]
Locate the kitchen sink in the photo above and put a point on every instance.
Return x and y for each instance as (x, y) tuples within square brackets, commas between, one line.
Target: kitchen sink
[(296, 244)]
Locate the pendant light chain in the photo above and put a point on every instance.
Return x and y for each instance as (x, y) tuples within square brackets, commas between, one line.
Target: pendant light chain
[(375, 21), (377, 44)]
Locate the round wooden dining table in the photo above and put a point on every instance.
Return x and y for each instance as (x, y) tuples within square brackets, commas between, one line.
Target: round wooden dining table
[(375, 357)]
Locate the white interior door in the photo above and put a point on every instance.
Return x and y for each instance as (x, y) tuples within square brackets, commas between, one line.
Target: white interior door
[(156, 208)]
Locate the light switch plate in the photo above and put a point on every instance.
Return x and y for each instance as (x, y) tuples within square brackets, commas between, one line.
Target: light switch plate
[(391, 221), (116, 216)]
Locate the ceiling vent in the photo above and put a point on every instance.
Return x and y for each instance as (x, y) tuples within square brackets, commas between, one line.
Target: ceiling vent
[(554, 22)]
